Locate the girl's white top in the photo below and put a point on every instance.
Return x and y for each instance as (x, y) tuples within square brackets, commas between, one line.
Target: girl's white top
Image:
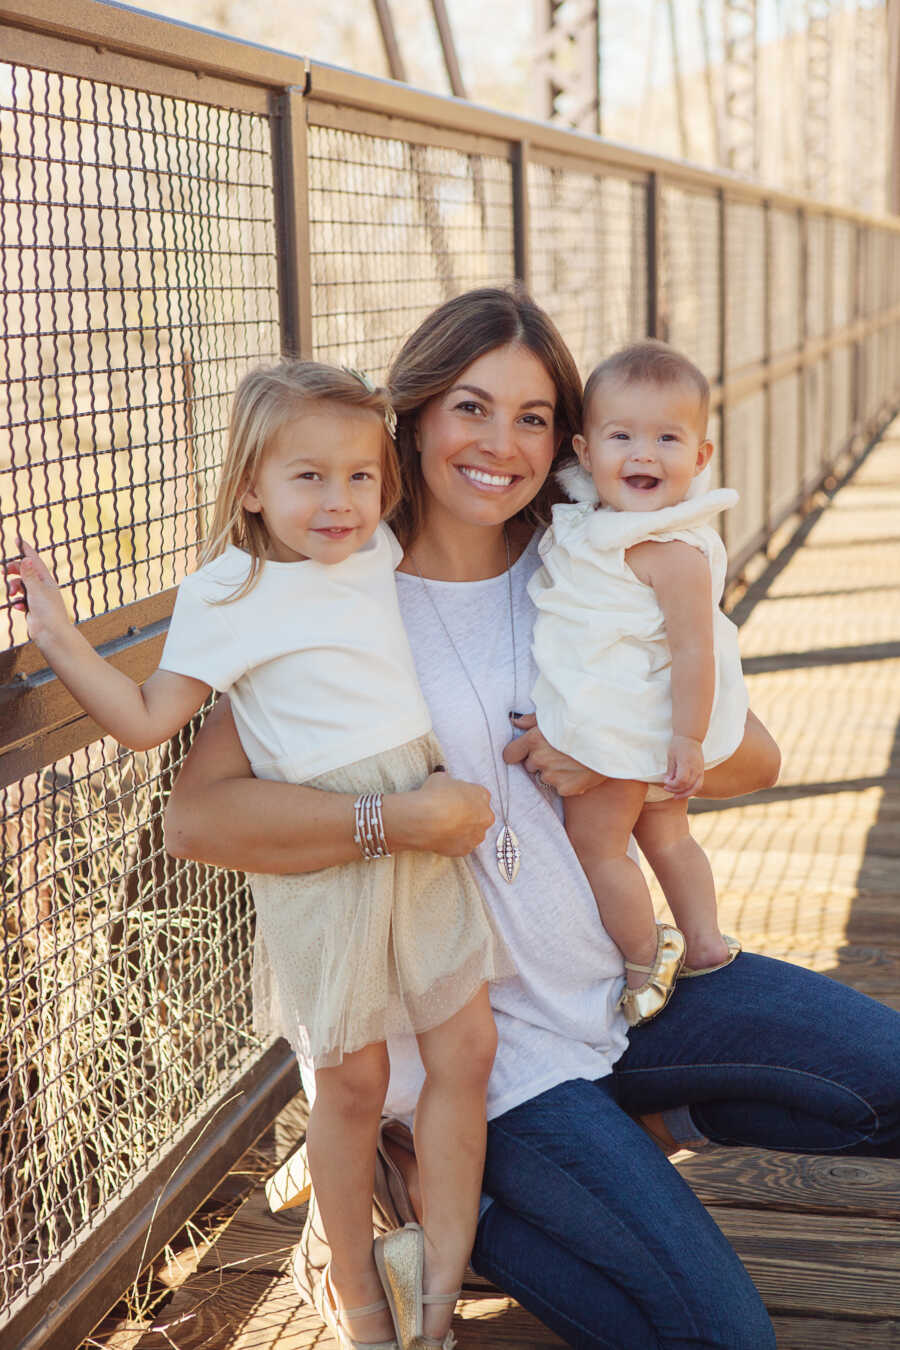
[(315, 658), (604, 692), (556, 1018)]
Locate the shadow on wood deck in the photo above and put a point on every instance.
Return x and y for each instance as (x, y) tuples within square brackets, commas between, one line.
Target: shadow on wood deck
[(809, 872)]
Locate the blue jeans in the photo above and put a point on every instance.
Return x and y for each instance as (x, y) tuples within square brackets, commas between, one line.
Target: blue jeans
[(595, 1232)]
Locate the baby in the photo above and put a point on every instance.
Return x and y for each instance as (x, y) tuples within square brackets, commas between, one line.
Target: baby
[(639, 671)]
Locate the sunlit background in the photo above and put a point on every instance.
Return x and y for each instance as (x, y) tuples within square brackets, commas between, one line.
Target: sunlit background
[(802, 91)]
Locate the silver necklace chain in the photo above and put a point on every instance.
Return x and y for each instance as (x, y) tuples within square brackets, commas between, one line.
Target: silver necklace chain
[(507, 849)]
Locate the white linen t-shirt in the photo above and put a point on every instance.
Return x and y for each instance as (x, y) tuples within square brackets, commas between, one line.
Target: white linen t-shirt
[(557, 1018), (314, 657)]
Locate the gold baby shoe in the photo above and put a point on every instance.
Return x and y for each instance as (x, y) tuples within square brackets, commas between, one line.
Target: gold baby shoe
[(641, 1004)]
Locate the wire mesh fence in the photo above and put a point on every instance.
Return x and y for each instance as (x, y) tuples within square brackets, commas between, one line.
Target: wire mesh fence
[(143, 267), (588, 256), (137, 279), (395, 229), (125, 996), (691, 282)]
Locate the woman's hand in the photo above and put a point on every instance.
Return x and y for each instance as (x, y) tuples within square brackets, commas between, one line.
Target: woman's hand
[(554, 769), (445, 815)]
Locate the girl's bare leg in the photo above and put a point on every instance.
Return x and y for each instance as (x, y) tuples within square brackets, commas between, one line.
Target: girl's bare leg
[(450, 1130), (599, 823), (682, 869), (340, 1148)]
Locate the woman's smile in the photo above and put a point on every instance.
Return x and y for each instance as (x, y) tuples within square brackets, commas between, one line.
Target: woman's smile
[(486, 477)]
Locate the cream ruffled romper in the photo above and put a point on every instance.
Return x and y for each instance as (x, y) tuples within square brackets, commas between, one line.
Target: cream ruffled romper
[(323, 690), (603, 693)]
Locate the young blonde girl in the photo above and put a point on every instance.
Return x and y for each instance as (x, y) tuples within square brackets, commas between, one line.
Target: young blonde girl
[(293, 611), (640, 675)]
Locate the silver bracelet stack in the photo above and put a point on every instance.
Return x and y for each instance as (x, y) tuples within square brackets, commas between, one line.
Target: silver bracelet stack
[(369, 834)]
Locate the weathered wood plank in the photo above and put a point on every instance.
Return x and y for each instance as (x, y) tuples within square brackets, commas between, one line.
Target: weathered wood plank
[(843, 1267), (255, 1311), (239, 1310), (257, 1240), (792, 1182), (498, 1321), (814, 1333)]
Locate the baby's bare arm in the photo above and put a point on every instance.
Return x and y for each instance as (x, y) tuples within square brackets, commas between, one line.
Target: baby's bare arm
[(679, 575), (756, 762), (139, 716)]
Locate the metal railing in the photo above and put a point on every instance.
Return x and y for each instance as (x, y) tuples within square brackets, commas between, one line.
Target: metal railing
[(176, 206)]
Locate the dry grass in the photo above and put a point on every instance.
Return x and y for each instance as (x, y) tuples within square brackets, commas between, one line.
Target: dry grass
[(126, 1002)]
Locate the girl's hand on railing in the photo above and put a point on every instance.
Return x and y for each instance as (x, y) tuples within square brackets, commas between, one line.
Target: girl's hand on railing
[(445, 815), (34, 591)]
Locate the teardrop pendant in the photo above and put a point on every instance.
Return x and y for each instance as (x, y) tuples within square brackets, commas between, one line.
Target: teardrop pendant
[(508, 854)]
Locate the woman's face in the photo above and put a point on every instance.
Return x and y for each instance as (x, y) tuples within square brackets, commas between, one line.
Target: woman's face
[(487, 444)]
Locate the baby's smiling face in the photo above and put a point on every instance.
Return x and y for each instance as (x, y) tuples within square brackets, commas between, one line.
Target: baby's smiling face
[(644, 443)]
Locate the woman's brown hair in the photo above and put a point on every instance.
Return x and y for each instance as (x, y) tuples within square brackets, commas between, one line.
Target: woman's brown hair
[(445, 343)]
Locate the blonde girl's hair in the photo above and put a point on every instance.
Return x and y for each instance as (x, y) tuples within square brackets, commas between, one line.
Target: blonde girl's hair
[(266, 399), (454, 335)]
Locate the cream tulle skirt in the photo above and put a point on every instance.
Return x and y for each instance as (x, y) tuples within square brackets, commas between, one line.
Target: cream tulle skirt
[(355, 953)]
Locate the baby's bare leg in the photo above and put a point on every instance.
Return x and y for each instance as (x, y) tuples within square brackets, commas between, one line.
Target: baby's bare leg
[(599, 823), (682, 869)]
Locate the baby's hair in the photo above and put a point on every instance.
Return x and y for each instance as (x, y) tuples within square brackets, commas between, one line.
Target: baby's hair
[(649, 362), (266, 399)]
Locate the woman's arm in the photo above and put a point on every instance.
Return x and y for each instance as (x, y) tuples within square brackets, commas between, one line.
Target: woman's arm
[(219, 813), (754, 765)]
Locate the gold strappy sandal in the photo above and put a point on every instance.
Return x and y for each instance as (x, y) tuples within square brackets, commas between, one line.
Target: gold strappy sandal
[(327, 1308), (641, 1004)]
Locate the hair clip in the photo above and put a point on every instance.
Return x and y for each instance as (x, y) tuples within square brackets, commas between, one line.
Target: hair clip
[(390, 416), (363, 379)]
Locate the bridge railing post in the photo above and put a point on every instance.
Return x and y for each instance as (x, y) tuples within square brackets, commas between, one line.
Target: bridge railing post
[(768, 319), (521, 212), (723, 354), (655, 318), (290, 168)]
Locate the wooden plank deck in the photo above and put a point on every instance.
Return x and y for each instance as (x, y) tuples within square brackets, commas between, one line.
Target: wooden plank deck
[(810, 872)]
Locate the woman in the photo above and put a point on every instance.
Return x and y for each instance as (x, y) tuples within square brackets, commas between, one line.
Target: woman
[(588, 1226)]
